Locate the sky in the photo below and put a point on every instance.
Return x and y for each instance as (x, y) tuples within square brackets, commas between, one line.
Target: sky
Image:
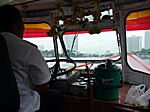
[(97, 43), (87, 43)]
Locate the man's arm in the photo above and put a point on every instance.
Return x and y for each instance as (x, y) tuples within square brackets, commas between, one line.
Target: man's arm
[(41, 88), (38, 71)]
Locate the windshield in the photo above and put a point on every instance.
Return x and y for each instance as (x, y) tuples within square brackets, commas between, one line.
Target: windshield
[(82, 46)]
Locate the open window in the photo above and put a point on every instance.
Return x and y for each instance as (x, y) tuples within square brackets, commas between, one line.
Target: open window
[(36, 33), (138, 40), (84, 47)]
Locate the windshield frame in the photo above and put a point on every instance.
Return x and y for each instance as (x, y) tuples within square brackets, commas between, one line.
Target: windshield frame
[(89, 60)]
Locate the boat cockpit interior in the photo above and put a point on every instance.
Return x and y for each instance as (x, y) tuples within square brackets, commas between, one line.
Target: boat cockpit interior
[(96, 50)]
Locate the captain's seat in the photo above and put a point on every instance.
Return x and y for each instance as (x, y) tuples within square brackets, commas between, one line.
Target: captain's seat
[(9, 94)]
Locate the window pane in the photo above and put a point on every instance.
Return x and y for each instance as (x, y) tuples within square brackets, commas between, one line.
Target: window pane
[(138, 40), (94, 47), (36, 33)]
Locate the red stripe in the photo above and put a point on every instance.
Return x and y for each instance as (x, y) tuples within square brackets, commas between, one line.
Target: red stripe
[(82, 32), (35, 35), (83, 65), (138, 24), (138, 27), (36, 30), (143, 20)]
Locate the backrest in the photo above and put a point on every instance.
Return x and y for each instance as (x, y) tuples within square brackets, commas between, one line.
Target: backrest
[(9, 94)]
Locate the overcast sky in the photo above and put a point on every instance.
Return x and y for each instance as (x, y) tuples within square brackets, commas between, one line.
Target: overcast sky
[(99, 43)]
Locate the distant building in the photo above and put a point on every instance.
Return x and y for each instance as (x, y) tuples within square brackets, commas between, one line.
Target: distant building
[(147, 39), (68, 39), (134, 43)]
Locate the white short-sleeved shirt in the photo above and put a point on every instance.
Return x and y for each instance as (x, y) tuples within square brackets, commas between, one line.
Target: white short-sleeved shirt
[(29, 68)]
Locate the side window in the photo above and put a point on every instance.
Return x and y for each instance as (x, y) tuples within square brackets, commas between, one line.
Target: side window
[(138, 40), (36, 33)]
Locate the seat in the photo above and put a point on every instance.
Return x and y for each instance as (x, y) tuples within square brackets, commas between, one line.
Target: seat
[(9, 94)]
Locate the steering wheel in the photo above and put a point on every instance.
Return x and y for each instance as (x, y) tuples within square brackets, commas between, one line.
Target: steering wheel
[(56, 70)]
